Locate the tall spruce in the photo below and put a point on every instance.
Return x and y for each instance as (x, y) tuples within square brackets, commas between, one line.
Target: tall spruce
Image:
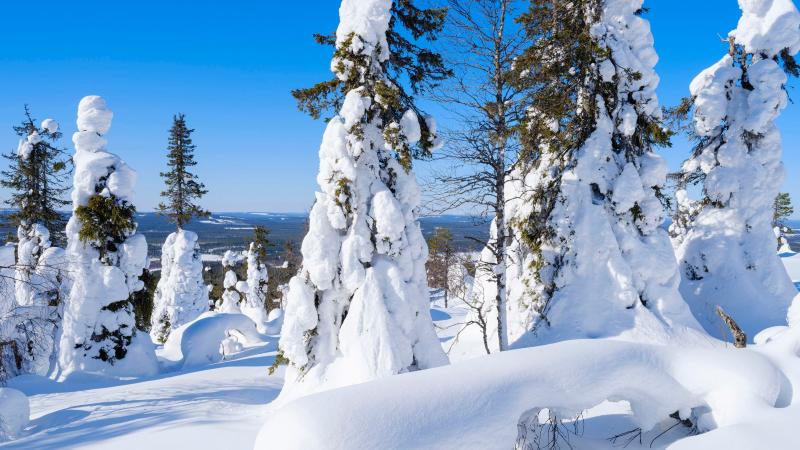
[(183, 189), (37, 176), (725, 238), (593, 205), (359, 307)]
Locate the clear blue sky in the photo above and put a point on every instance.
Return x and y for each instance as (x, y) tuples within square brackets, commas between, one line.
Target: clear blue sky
[(230, 66)]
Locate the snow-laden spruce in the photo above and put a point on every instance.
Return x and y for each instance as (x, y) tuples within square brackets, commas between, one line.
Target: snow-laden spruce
[(725, 240), (599, 262), (181, 295), (106, 258), (359, 308), (254, 304), (233, 288)]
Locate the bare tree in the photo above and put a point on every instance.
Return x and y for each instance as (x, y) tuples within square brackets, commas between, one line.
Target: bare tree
[(480, 44)]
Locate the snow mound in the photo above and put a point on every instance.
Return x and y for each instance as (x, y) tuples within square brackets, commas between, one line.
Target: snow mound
[(14, 413), (50, 125), (209, 338), (718, 389)]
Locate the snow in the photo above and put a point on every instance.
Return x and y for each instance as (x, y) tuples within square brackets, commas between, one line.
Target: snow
[(255, 288), (768, 26), (719, 388), (14, 413), (181, 295), (50, 125)]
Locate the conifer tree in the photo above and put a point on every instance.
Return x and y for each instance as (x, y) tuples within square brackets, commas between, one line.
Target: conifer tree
[(726, 238), (441, 256), (359, 307), (256, 304), (181, 295), (37, 176), (106, 258), (600, 264), (183, 189)]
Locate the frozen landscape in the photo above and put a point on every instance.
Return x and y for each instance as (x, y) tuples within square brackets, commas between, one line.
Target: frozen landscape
[(498, 251)]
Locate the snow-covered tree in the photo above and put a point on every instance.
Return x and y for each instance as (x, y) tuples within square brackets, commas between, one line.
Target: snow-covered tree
[(106, 258), (726, 246), (781, 210), (36, 178), (233, 292), (181, 295), (255, 303), (359, 308), (599, 264)]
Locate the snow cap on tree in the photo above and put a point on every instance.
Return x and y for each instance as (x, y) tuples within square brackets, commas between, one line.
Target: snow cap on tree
[(106, 258), (359, 308)]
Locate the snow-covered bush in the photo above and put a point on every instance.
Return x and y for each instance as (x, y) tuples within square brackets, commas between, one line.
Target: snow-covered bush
[(359, 308), (726, 245), (209, 338), (597, 261), (181, 296), (106, 258), (256, 290), (15, 412), (234, 290)]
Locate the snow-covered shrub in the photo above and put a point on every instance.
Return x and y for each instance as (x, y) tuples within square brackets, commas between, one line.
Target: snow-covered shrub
[(255, 304), (234, 290), (597, 261), (209, 338), (726, 246), (15, 413), (181, 296), (106, 258), (359, 308)]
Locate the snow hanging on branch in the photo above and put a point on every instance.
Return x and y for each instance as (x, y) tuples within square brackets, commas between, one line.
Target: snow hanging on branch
[(359, 307), (725, 241), (106, 258), (599, 264), (181, 295)]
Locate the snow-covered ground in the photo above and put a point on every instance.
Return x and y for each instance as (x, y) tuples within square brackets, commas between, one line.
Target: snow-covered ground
[(471, 404)]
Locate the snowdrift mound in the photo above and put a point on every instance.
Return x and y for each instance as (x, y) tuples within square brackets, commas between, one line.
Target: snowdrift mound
[(718, 389), (14, 413), (209, 338)]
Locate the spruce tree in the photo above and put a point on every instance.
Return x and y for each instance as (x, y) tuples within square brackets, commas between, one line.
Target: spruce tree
[(359, 307), (37, 177), (256, 305), (726, 237), (183, 189), (600, 262), (181, 295), (441, 256), (106, 257)]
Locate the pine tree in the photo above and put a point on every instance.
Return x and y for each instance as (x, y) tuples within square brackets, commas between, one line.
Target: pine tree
[(359, 307), (183, 189), (726, 245), (782, 209), (181, 295), (106, 257), (441, 256), (593, 184)]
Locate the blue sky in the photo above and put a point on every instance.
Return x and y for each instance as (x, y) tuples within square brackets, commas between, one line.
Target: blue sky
[(229, 66)]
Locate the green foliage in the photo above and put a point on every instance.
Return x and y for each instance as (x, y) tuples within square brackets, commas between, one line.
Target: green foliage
[(782, 209), (37, 183), (280, 360), (143, 300), (410, 64), (105, 222), (183, 189), (441, 255)]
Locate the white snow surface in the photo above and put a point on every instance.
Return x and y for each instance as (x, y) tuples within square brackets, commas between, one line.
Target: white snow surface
[(14, 413)]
